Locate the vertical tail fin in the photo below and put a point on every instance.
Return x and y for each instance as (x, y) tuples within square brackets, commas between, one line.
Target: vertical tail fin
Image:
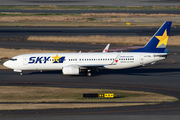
[(159, 40)]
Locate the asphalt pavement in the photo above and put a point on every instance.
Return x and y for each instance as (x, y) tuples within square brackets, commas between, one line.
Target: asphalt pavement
[(93, 2), (8, 32)]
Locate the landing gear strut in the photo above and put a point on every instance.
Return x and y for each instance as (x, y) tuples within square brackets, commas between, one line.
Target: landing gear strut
[(21, 73), (89, 72)]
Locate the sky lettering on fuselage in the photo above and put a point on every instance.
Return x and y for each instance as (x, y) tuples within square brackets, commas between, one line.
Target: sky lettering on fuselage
[(38, 60), (35, 60)]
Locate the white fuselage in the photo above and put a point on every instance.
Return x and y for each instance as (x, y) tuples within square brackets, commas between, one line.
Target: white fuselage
[(46, 61)]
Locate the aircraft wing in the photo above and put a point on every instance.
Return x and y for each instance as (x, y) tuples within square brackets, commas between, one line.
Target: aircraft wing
[(100, 65), (92, 66)]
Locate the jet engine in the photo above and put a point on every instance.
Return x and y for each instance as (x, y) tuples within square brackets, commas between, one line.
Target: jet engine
[(70, 70)]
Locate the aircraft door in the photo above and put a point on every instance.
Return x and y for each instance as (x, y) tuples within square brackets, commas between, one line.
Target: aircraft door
[(141, 59), (25, 60)]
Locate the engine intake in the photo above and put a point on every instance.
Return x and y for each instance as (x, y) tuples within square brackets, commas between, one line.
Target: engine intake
[(70, 70)]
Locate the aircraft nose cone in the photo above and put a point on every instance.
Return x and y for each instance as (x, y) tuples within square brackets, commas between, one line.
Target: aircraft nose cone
[(6, 64)]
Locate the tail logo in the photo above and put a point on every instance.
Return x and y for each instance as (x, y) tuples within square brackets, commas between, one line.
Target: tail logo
[(162, 40)]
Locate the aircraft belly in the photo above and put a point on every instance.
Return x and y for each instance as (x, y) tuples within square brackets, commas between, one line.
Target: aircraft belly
[(122, 65)]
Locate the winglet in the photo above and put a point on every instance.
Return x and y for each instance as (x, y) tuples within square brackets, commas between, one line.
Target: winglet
[(106, 48), (116, 60)]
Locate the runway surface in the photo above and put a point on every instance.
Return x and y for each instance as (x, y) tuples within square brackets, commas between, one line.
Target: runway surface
[(8, 32), (93, 2)]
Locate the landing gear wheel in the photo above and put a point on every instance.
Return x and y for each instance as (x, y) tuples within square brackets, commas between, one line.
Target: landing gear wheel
[(21, 73), (89, 74)]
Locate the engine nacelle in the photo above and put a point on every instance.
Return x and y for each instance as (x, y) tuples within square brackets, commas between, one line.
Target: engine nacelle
[(70, 70)]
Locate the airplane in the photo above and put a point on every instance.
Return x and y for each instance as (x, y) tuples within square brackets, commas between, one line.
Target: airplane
[(74, 63)]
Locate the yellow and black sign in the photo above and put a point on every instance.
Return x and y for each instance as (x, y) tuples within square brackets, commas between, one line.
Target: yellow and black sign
[(98, 95), (105, 95)]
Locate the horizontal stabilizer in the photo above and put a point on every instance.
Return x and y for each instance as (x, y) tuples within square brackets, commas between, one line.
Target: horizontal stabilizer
[(166, 51)]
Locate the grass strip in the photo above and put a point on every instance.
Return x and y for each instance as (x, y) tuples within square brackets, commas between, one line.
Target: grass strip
[(87, 17), (53, 94), (66, 106)]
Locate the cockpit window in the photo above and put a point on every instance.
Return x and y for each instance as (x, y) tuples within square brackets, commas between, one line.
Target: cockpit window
[(13, 59)]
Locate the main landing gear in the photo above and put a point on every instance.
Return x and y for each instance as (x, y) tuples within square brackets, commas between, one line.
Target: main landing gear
[(21, 73), (89, 72)]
